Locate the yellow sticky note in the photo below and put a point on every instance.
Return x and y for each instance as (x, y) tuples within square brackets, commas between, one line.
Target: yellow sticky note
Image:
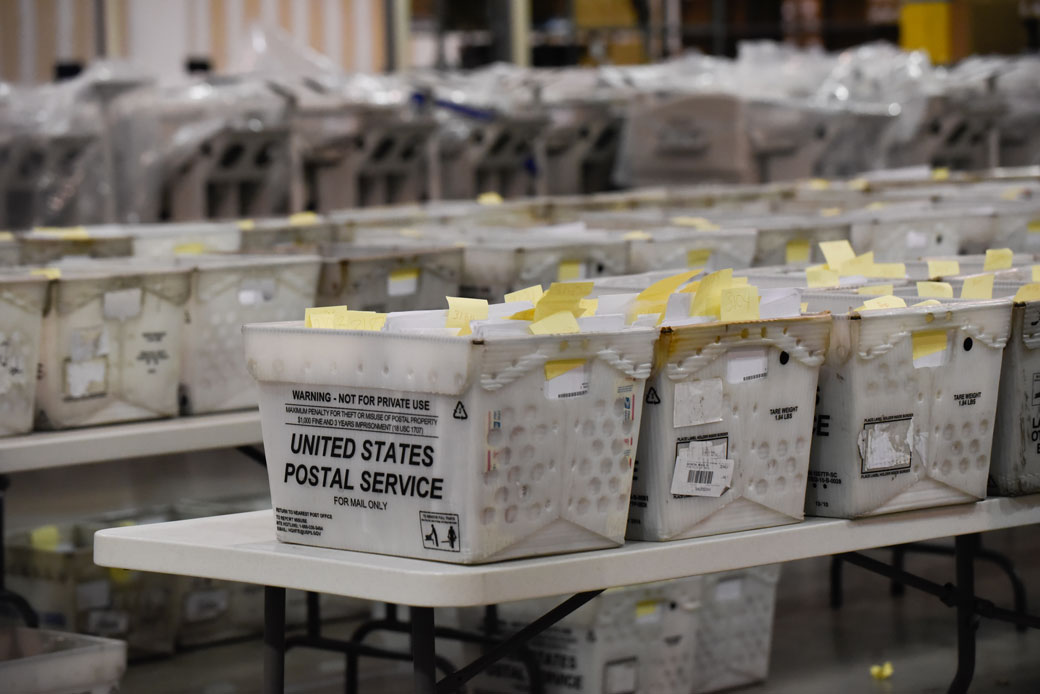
[(646, 608), (943, 268), (6, 236), (489, 198), (559, 323), (881, 672), (706, 301), (739, 304), (246, 224), (562, 297), (360, 320), (636, 236), (532, 294), (1034, 226), (1028, 292), (859, 184), (941, 173), (977, 287), (588, 306), (66, 233), (698, 223), (882, 302), (926, 302), (837, 253), (698, 257), (887, 270), (523, 315), (402, 274), (877, 205), (322, 316), (860, 265), (876, 290), (821, 277), (927, 342), (462, 310), (830, 211), (569, 270), (998, 259), (46, 538), (189, 249), (559, 367), (1036, 273), (939, 290), (51, 273), (804, 307), (819, 184), (658, 292), (797, 251), (691, 288), (301, 219)]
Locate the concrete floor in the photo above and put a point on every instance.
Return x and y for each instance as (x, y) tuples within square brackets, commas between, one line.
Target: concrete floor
[(815, 650)]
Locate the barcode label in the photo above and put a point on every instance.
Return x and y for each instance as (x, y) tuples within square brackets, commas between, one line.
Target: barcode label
[(700, 476), (702, 467)]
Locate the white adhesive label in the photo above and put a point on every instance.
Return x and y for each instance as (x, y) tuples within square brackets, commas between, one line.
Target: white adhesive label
[(747, 364), (85, 378), (91, 595), (916, 239), (702, 469), (697, 402), (570, 384), (202, 605), (122, 304), (619, 677), (886, 445), (87, 343), (729, 589), (403, 282), (108, 622)]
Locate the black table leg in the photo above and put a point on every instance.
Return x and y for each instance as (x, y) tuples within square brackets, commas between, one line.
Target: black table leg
[(423, 650), (274, 640), (967, 621)]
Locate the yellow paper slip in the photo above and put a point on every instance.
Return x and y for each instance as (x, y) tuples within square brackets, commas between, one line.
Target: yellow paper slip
[(830, 211), (46, 537), (1028, 292), (927, 342), (570, 270), (977, 287), (462, 310), (561, 323), (937, 290), (6, 236), (51, 273), (636, 236), (739, 304), (797, 251), (302, 219), (489, 198), (246, 224), (819, 184), (1034, 226), (882, 302), (562, 296), (588, 307), (189, 249), (706, 301), (943, 268), (860, 265), (532, 294), (998, 259), (821, 277), (698, 257), (804, 307), (698, 223), (654, 298), (361, 320), (926, 302), (837, 253), (323, 316), (523, 315), (941, 173), (554, 369), (66, 233), (877, 290)]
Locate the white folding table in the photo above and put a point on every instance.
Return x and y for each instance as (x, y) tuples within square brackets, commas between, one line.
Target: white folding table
[(242, 547)]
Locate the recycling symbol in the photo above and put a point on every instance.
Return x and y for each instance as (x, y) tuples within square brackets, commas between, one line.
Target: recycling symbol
[(652, 397), (460, 411)]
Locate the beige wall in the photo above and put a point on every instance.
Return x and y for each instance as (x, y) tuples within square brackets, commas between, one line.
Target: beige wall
[(160, 34)]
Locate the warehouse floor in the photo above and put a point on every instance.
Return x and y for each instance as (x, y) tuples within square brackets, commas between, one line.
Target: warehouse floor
[(815, 650)]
